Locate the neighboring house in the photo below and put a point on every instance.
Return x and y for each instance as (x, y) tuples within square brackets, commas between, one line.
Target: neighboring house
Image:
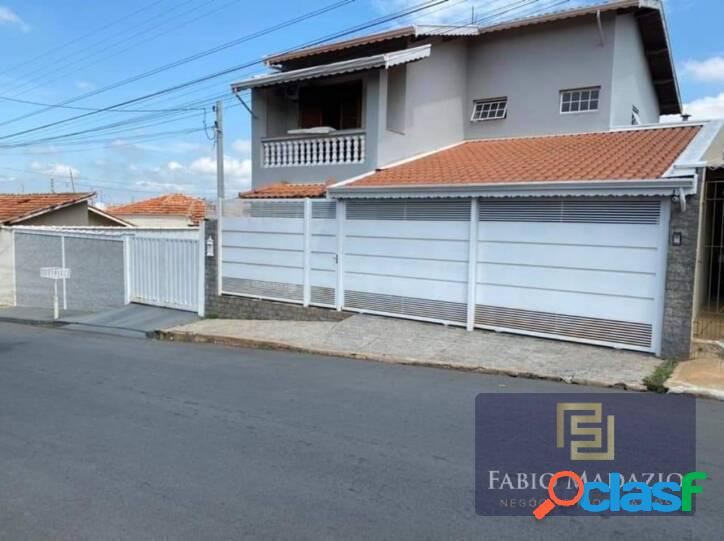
[(172, 210), (511, 177), (55, 209)]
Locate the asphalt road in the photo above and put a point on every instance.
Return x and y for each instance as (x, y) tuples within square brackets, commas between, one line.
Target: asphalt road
[(106, 437)]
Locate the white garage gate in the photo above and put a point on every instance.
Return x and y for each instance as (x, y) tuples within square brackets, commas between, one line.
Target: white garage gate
[(589, 270)]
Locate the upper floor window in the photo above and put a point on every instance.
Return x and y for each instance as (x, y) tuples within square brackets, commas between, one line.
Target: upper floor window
[(580, 100), (337, 106), (493, 109)]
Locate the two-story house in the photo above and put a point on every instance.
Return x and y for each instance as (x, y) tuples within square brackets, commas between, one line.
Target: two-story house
[(512, 177)]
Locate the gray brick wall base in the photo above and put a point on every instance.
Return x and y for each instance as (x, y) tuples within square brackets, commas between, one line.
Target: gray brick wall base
[(680, 275), (235, 307)]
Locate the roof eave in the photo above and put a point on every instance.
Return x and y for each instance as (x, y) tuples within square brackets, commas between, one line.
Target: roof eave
[(626, 187), (46, 210), (110, 217), (385, 60)]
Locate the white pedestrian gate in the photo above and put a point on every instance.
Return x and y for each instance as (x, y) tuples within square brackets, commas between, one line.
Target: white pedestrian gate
[(165, 271)]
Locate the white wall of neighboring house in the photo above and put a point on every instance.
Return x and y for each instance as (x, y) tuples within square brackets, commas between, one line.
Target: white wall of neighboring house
[(7, 266), (147, 220)]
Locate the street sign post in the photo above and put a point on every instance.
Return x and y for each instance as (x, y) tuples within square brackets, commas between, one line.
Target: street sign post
[(55, 274)]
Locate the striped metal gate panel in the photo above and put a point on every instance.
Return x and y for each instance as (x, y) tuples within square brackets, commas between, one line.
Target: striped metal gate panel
[(407, 258), (578, 269), (164, 271)]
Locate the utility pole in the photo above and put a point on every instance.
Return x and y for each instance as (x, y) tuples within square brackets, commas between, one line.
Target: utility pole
[(219, 129), (52, 185), (72, 182)]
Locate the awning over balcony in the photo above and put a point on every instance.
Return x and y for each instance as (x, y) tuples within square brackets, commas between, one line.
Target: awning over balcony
[(385, 61)]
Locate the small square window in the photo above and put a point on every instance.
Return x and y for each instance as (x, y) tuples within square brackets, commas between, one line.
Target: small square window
[(494, 109), (580, 100)]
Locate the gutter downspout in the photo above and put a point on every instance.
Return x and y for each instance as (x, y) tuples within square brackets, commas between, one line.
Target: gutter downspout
[(600, 28)]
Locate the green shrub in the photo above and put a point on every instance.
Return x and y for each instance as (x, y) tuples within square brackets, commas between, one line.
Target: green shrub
[(655, 381)]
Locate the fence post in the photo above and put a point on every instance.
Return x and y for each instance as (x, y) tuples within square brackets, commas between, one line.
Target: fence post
[(14, 267), (472, 263), (202, 269), (127, 269), (307, 251), (341, 217), (62, 264)]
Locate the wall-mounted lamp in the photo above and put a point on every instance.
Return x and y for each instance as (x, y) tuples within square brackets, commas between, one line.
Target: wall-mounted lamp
[(676, 238)]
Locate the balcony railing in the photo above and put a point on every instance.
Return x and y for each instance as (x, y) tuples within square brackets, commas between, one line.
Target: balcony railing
[(300, 151)]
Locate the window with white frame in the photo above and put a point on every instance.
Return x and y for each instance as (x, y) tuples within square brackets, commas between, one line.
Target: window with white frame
[(635, 116), (493, 109), (580, 100)]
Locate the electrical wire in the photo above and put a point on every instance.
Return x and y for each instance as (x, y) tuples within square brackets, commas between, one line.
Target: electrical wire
[(416, 8)]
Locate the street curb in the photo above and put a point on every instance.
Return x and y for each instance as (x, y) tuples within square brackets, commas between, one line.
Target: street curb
[(252, 343), (34, 322)]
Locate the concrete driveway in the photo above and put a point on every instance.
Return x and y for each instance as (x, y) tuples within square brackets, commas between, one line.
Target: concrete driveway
[(105, 437), (411, 342)]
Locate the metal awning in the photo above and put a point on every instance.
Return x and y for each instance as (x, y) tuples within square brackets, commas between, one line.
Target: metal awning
[(385, 61)]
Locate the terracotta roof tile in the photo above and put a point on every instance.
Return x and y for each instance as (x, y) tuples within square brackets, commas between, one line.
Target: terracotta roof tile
[(176, 204), (631, 154), (14, 207), (284, 190)]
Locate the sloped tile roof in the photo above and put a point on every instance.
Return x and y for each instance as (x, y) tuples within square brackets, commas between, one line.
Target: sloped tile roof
[(15, 207), (415, 31), (284, 190), (176, 204), (621, 155)]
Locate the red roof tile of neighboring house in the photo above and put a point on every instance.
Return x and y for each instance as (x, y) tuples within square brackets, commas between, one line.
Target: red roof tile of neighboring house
[(18, 207), (176, 204), (284, 190), (621, 155)]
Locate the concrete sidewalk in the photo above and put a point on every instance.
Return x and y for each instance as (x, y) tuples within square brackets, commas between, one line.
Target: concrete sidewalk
[(702, 376), (416, 343)]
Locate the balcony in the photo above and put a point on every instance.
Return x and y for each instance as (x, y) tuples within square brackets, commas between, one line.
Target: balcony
[(338, 148)]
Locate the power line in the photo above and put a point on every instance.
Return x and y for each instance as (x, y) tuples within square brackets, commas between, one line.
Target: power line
[(420, 7), (86, 64), (59, 48), (76, 108), (148, 26), (413, 9), (188, 59)]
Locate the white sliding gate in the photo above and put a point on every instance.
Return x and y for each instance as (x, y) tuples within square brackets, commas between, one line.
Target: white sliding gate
[(587, 270)]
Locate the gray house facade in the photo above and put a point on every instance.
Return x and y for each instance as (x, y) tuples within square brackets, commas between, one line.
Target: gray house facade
[(512, 177), (427, 100)]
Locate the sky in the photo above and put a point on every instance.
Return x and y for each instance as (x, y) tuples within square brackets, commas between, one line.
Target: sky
[(76, 52)]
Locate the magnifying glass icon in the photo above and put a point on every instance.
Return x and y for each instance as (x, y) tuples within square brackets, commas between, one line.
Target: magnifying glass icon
[(547, 506)]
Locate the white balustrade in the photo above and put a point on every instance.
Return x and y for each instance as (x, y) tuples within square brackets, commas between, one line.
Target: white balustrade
[(347, 148)]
